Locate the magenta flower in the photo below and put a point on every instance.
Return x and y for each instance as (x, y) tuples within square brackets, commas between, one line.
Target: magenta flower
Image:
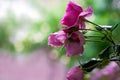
[(74, 14), (108, 73), (110, 70), (75, 43), (57, 39), (75, 74), (72, 41), (73, 49)]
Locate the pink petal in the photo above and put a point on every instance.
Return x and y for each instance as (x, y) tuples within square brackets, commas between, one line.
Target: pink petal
[(82, 24), (82, 39), (73, 49), (75, 74), (87, 12), (110, 69), (109, 72), (72, 14), (78, 36), (57, 39)]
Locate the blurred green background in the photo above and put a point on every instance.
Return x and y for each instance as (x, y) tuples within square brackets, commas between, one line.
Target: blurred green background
[(25, 25)]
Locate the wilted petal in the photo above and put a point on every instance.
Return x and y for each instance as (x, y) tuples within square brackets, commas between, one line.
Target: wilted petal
[(87, 12), (57, 39), (73, 49), (75, 74), (72, 14)]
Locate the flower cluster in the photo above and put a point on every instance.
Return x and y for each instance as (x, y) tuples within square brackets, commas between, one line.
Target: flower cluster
[(72, 38)]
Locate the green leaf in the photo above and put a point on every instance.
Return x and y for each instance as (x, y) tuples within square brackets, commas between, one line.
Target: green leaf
[(91, 64), (118, 48), (99, 28), (116, 34), (105, 53), (114, 27)]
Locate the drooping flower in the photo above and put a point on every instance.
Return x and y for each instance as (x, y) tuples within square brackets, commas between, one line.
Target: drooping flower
[(75, 44), (73, 41), (75, 73), (74, 15), (57, 39), (73, 49), (71, 38)]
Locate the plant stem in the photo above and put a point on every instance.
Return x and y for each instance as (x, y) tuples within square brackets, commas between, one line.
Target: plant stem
[(89, 30), (94, 40), (94, 36), (94, 24), (79, 61), (92, 30), (109, 38)]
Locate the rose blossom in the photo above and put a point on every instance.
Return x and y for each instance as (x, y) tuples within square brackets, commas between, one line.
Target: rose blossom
[(108, 73), (75, 73), (74, 15), (75, 43)]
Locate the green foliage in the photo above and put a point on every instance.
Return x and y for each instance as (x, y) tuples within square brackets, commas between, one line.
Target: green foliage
[(104, 54), (116, 33), (91, 64)]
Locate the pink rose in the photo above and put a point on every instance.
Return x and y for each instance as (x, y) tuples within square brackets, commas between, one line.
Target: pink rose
[(75, 74), (74, 14), (108, 73), (75, 44)]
